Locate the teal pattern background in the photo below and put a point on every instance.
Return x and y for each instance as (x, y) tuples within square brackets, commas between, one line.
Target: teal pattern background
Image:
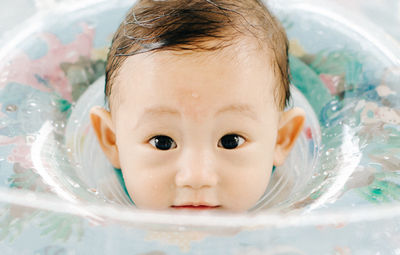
[(349, 205)]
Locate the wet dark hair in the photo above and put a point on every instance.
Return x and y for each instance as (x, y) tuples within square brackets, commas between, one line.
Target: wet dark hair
[(190, 25)]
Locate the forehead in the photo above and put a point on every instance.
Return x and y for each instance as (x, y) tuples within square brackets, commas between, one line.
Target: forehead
[(193, 81)]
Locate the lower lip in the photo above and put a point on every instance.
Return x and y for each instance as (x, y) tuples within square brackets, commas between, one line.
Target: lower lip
[(195, 207)]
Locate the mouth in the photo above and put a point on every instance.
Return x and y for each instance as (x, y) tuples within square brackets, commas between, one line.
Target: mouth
[(195, 207)]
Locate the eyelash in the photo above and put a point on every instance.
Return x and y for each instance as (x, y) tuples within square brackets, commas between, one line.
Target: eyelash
[(154, 139), (239, 140)]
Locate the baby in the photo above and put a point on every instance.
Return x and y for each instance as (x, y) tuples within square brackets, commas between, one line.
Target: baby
[(196, 91)]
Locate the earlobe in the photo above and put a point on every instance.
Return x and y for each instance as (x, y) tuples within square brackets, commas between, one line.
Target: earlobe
[(103, 128), (290, 126)]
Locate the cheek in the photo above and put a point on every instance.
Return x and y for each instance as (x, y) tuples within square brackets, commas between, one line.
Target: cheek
[(148, 189), (246, 189), (246, 178), (148, 178)]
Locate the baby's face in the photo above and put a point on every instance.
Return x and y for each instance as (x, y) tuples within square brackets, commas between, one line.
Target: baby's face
[(196, 131)]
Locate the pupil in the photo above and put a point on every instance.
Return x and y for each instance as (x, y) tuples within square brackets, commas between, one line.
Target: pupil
[(230, 141), (163, 142)]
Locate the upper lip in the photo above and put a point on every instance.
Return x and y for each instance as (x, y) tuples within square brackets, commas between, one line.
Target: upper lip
[(194, 205)]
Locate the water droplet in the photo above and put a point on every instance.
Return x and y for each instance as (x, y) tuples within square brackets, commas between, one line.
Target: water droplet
[(32, 104), (30, 139), (93, 190), (11, 108)]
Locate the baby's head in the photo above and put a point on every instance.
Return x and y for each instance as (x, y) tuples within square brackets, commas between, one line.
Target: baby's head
[(197, 91)]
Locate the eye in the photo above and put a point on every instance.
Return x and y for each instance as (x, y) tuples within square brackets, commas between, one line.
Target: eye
[(163, 142), (230, 141)]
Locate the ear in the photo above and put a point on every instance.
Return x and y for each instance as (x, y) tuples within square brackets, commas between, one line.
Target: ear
[(290, 125), (103, 127)]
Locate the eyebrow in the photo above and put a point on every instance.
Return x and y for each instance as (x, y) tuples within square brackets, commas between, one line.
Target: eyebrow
[(156, 111), (244, 109), (159, 110)]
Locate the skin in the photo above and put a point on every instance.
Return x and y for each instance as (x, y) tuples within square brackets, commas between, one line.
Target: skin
[(196, 99)]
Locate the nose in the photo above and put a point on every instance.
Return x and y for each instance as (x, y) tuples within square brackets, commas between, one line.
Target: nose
[(197, 169)]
